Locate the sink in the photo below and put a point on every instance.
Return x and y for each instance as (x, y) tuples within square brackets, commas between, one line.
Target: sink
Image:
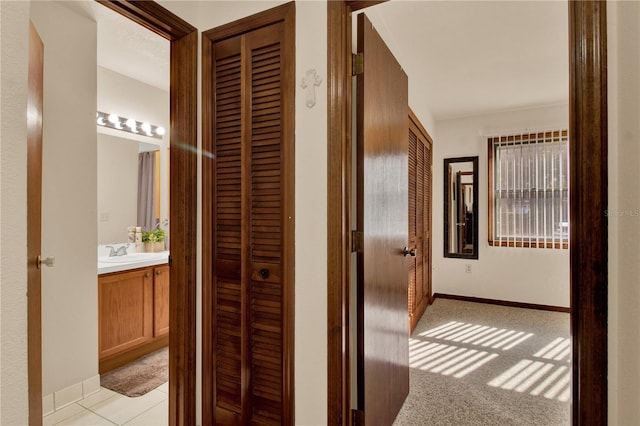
[(132, 257)]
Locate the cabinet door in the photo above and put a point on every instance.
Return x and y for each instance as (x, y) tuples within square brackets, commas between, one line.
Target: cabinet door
[(160, 300), (124, 310)]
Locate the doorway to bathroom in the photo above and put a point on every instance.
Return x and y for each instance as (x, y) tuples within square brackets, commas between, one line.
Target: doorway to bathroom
[(182, 106)]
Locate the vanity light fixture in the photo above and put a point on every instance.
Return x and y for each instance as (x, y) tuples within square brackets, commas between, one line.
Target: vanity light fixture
[(130, 125)]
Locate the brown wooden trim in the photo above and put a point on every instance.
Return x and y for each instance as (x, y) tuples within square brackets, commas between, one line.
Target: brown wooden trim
[(114, 361), (208, 218), (588, 157), (354, 5), (502, 302), (34, 224), (239, 26), (588, 202), (152, 16), (528, 244), (183, 201), (286, 14), (338, 211), (490, 192)]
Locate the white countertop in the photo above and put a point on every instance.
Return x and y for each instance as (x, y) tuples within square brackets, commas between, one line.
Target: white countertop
[(131, 261)]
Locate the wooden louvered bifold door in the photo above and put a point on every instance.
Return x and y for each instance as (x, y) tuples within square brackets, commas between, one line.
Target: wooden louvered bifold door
[(419, 267), (248, 285)]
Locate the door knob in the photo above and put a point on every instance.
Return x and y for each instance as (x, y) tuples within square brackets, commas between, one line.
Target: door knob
[(409, 252), (48, 261)]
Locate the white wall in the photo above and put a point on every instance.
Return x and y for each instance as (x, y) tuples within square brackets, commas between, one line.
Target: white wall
[(311, 194), (311, 219), (14, 51), (69, 227), (529, 275), (623, 20), (131, 98), (117, 188)]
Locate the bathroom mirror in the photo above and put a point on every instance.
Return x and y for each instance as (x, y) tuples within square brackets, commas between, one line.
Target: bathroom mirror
[(461, 207), (118, 191)]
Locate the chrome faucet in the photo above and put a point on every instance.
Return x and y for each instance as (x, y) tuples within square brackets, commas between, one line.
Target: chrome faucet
[(120, 251)]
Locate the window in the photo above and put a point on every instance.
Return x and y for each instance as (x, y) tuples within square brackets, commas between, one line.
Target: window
[(529, 190)]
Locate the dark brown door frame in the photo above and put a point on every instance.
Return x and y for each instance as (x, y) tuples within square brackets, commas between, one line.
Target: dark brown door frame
[(183, 201), (588, 156)]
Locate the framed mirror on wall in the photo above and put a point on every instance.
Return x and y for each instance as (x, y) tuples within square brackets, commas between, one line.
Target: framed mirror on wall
[(461, 207)]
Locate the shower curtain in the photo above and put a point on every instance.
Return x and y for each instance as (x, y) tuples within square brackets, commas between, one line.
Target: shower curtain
[(146, 191)]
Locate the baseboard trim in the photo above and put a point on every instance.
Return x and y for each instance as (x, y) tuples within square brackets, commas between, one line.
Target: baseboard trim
[(70, 394), (502, 302)]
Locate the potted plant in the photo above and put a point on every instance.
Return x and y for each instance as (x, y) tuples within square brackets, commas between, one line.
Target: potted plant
[(153, 240)]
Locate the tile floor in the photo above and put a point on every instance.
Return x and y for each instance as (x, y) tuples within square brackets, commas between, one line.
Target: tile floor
[(106, 407)]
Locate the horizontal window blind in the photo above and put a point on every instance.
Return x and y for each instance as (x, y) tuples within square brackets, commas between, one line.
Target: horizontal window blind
[(529, 190)]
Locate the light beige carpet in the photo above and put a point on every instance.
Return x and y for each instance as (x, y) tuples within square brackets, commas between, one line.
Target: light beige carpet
[(478, 364), (140, 376)]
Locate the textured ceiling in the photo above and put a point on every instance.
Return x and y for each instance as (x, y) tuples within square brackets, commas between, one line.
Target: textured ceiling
[(130, 49), (462, 57), (470, 57)]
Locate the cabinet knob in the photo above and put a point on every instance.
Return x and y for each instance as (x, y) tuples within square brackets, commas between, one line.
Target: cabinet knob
[(158, 272), (264, 273), (147, 275)]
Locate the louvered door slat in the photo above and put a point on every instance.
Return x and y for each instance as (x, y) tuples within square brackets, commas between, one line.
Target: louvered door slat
[(413, 140), (419, 221), (266, 231), (228, 178)]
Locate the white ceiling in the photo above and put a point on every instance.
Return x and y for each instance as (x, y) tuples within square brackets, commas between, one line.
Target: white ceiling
[(130, 49), (462, 57), (470, 57)]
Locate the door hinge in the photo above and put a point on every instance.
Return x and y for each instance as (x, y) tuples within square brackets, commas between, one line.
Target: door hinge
[(357, 64), (357, 417), (357, 241)]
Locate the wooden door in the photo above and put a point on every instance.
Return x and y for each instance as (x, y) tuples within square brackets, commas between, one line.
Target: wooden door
[(248, 288), (382, 124), (160, 300), (34, 223), (420, 188)]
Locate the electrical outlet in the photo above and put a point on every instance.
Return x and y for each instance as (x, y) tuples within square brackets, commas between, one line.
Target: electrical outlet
[(467, 268)]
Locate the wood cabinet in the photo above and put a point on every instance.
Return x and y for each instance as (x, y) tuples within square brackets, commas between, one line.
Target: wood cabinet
[(161, 301), (133, 314)]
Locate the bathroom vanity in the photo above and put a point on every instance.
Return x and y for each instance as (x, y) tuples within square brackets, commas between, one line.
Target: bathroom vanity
[(133, 307)]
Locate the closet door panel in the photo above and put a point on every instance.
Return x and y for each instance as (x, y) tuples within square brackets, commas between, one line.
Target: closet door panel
[(419, 267), (266, 224), (250, 336), (228, 287)]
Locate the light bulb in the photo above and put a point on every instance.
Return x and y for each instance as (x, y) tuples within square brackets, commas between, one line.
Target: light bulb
[(113, 118), (160, 131), (146, 127), (100, 121), (131, 123)]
